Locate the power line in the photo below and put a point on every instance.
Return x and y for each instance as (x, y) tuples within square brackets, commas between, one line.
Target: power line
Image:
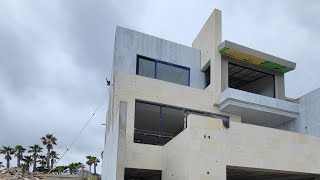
[(89, 120)]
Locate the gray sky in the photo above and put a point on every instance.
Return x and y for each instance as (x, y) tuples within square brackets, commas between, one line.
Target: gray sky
[(55, 56)]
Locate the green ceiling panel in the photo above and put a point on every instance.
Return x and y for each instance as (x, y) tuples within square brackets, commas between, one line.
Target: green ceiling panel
[(223, 50), (275, 66), (248, 58)]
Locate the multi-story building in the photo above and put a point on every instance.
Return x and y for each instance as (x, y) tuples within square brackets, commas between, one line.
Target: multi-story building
[(216, 110)]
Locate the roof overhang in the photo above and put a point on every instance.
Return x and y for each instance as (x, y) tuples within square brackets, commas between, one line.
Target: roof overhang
[(255, 57)]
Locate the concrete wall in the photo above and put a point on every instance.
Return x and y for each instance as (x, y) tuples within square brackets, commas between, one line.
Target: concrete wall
[(175, 157), (309, 119), (241, 145), (130, 87), (113, 157), (110, 153), (129, 44), (208, 41), (310, 112)]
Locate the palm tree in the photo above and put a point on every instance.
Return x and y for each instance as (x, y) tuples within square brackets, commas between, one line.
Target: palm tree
[(95, 162), (1, 166), (27, 161), (60, 169), (89, 162), (74, 166), (92, 160), (54, 155), (42, 160), (35, 150), (49, 140), (19, 150), (7, 151)]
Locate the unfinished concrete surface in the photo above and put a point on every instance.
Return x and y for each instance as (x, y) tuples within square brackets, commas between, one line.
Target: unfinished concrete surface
[(205, 149), (129, 44), (157, 126), (308, 122), (208, 40), (258, 109), (241, 173), (130, 88), (115, 144)]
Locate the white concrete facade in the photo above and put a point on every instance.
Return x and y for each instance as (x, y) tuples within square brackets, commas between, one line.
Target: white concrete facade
[(189, 155)]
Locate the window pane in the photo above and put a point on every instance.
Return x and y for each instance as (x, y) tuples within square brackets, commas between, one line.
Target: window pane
[(172, 121), (146, 67), (147, 124), (172, 74)]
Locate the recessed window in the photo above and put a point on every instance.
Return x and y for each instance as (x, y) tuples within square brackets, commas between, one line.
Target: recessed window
[(157, 124), (162, 70), (207, 77), (251, 80)]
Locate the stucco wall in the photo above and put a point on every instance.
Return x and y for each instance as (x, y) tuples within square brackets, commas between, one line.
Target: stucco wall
[(129, 44), (241, 145)]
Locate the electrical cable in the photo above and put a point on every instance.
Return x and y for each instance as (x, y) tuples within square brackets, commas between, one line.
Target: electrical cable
[(89, 120)]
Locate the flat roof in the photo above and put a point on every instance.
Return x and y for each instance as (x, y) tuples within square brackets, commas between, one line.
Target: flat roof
[(255, 57)]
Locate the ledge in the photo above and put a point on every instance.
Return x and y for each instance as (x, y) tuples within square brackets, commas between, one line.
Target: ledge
[(257, 109)]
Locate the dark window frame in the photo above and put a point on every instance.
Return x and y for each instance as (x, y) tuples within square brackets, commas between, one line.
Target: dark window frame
[(273, 76), (161, 62)]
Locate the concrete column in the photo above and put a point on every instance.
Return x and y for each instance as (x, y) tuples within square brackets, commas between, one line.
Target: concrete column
[(216, 60), (208, 41), (279, 86)]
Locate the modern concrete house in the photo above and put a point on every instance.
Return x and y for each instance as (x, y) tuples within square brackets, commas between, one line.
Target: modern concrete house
[(213, 111)]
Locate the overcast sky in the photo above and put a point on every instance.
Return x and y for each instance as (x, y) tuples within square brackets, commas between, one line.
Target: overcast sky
[(55, 56)]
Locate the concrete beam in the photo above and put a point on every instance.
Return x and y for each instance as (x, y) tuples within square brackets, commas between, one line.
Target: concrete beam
[(258, 54)]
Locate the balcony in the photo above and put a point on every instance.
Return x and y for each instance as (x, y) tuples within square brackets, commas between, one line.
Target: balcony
[(257, 109)]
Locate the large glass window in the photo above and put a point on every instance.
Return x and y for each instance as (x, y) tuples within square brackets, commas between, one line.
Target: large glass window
[(163, 71), (251, 80), (157, 124)]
